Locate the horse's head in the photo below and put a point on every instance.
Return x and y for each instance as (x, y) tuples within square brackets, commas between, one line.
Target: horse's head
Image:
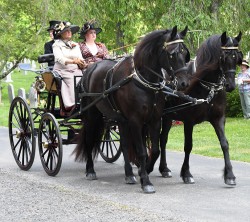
[(229, 59), (162, 54), (174, 57)]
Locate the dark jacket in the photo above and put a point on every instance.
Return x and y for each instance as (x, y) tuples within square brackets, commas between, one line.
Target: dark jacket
[(48, 50)]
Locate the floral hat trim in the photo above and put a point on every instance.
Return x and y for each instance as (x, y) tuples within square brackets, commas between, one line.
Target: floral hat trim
[(64, 26)]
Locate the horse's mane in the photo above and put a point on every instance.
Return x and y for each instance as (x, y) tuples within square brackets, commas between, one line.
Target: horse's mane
[(208, 55), (147, 48), (207, 59)]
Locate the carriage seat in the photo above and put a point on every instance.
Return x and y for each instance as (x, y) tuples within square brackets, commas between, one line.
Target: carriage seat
[(46, 58), (52, 79)]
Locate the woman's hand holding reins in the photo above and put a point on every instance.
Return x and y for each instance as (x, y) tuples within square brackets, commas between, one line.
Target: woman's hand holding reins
[(80, 62)]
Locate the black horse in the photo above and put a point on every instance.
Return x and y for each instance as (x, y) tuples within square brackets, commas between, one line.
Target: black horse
[(216, 64), (129, 92)]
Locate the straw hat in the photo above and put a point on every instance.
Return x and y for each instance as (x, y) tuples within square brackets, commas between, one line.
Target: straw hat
[(245, 63)]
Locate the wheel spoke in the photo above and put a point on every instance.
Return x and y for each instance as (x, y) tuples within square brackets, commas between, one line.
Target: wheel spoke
[(26, 153), (45, 134), (20, 150), (113, 145), (110, 147), (17, 117), (51, 159), (54, 156), (14, 148), (23, 153), (44, 153), (28, 143), (114, 134), (47, 158)]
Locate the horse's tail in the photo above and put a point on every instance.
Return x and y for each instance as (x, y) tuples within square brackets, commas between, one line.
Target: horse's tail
[(89, 138)]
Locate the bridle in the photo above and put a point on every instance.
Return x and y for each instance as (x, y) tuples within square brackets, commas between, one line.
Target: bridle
[(214, 88), (170, 56), (172, 73), (232, 49)]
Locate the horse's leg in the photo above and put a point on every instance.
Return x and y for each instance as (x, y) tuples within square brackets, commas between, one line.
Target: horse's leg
[(154, 133), (219, 127), (136, 134), (188, 144), (124, 142), (93, 133), (163, 167)]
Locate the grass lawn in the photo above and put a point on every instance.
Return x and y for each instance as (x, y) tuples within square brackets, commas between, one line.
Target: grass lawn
[(20, 80), (205, 141)]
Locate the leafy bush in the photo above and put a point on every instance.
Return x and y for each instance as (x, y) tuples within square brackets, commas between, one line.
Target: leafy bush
[(233, 108)]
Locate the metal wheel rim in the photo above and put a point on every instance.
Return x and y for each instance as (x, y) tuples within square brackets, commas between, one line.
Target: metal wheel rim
[(110, 151), (50, 144), (22, 133)]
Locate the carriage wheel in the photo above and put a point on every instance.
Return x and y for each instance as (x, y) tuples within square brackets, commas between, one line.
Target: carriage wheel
[(22, 133), (110, 149), (50, 144)]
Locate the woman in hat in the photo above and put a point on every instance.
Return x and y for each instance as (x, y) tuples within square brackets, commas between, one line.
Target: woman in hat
[(91, 50), (68, 61), (244, 88)]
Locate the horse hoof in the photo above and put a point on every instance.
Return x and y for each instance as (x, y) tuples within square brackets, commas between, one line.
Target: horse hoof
[(188, 180), (230, 182), (130, 180), (148, 189), (166, 174), (91, 176)]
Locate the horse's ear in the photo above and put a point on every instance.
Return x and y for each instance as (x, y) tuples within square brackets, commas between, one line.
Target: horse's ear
[(224, 38), (184, 32), (238, 37), (174, 32)]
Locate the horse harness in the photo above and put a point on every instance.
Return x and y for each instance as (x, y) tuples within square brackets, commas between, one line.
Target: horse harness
[(140, 81), (214, 88)]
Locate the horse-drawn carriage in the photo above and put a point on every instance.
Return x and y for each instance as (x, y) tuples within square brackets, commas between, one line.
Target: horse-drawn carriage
[(131, 94), (52, 125)]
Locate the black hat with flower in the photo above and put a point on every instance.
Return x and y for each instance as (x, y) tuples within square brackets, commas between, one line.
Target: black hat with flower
[(89, 26), (64, 26)]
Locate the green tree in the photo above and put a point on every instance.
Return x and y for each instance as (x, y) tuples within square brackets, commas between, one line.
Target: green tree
[(23, 22)]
